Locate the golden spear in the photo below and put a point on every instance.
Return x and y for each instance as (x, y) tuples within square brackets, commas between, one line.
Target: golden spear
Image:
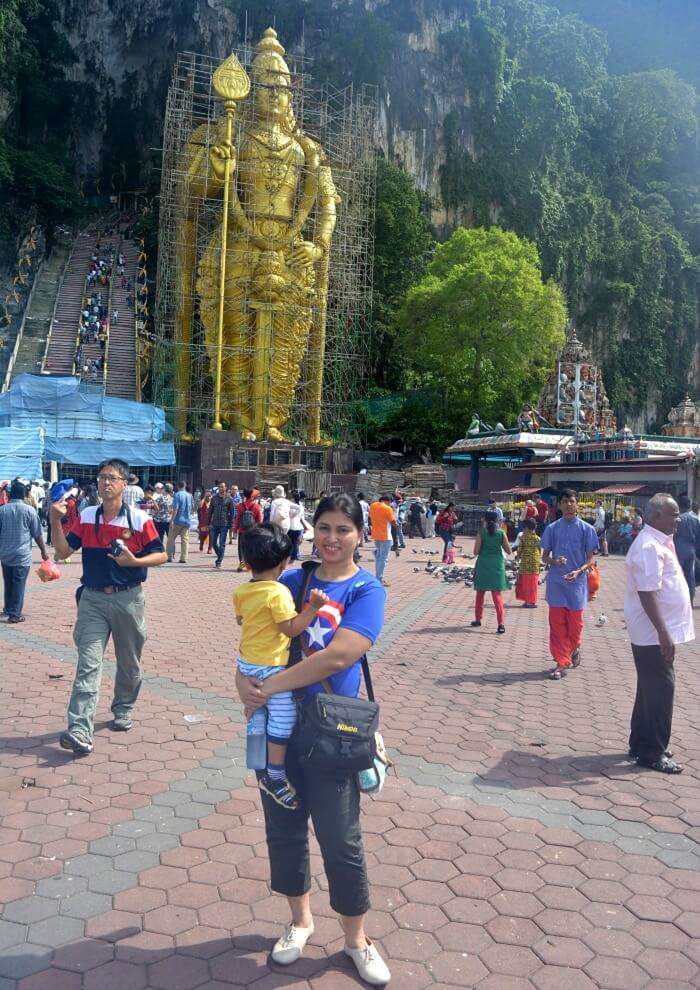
[(231, 84)]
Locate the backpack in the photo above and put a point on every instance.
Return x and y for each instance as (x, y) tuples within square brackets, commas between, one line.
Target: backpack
[(247, 520)]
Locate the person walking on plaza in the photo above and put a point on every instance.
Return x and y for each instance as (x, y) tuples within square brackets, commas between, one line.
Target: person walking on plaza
[(331, 650), (164, 505), (248, 514), (180, 516), (529, 560), (203, 510), (381, 517), (221, 513), (279, 509), (601, 526), (416, 514), (490, 573), (133, 493), (297, 523), (19, 525), (569, 545), (687, 542), (119, 544), (445, 528), (236, 498), (659, 617)]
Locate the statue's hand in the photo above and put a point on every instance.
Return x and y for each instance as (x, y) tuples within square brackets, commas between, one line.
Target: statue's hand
[(306, 253), (219, 155)]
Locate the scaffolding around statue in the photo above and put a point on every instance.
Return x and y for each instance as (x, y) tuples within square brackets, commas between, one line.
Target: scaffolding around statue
[(269, 338)]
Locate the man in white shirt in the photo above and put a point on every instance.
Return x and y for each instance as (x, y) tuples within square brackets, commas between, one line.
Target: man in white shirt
[(133, 493), (600, 526), (659, 617)]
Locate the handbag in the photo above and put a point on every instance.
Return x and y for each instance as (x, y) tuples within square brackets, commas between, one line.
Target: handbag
[(335, 733)]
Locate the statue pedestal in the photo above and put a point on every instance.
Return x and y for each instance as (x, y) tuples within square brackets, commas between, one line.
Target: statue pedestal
[(224, 456)]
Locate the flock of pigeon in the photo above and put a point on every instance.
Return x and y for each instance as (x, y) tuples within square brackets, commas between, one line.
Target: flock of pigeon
[(453, 574)]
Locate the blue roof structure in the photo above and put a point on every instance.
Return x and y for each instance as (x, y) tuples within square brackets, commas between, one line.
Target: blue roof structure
[(81, 425)]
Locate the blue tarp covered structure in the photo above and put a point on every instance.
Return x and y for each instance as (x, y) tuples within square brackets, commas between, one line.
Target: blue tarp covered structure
[(20, 453), (82, 425)]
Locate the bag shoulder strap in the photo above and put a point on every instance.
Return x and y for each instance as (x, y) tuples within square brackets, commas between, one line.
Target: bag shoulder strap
[(309, 568)]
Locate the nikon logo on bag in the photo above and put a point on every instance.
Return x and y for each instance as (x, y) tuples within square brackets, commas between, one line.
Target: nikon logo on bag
[(342, 727)]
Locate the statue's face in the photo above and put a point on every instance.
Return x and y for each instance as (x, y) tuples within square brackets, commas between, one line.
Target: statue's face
[(272, 101)]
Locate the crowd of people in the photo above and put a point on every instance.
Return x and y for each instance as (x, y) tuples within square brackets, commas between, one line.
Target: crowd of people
[(305, 633), (93, 329)]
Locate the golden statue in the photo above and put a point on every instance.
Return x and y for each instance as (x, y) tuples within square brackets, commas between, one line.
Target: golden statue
[(262, 300)]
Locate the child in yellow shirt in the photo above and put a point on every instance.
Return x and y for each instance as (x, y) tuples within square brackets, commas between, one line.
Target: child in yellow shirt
[(268, 619)]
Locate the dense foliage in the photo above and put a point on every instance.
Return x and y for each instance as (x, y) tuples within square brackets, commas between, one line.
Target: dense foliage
[(481, 327), (600, 170), (37, 168)]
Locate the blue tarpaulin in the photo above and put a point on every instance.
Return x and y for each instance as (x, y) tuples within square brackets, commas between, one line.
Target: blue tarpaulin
[(141, 452), (82, 425), (20, 454)]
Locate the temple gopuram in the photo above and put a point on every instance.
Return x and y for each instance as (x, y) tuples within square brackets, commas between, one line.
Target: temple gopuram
[(574, 397)]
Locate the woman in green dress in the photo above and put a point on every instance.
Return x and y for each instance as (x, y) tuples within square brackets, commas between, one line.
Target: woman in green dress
[(490, 572)]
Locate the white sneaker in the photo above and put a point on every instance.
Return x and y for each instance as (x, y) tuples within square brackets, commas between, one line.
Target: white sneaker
[(370, 964), (288, 948)]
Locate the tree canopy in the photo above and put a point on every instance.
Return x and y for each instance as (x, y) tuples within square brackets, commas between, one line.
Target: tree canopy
[(481, 329)]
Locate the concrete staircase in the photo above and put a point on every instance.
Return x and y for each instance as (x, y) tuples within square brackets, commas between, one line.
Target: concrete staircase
[(121, 360), (31, 348), (61, 349)]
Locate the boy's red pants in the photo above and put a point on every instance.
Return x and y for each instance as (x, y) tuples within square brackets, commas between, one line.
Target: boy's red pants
[(565, 633), (497, 601)]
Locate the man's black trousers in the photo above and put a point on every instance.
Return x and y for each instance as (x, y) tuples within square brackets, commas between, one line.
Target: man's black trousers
[(650, 730)]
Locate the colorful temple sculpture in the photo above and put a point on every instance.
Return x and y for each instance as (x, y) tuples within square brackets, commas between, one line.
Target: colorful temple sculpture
[(574, 397)]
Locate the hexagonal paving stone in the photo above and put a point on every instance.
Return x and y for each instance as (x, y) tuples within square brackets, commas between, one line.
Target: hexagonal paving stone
[(85, 905), (112, 926), (411, 945), (178, 973), (116, 975), (24, 960), (460, 937), (420, 917), (556, 950), (510, 960), (457, 969), (513, 931), (111, 881), (616, 974), (56, 931), (11, 934), (668, 965), (30, 909), (170, 920)]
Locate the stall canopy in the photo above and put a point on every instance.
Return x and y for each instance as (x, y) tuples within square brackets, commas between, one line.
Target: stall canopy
[(518, 490), (82, 425), (20, 453), (619, 489)]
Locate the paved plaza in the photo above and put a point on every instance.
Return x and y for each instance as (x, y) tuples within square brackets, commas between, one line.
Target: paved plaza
[(517, 847)]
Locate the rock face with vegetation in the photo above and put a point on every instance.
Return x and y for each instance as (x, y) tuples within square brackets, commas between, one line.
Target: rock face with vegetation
[(573, 124)]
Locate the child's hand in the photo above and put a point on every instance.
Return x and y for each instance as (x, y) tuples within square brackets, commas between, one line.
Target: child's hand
[(317, 599)]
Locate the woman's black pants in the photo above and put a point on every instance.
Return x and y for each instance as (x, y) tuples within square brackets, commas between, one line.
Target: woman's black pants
[(333, 803)]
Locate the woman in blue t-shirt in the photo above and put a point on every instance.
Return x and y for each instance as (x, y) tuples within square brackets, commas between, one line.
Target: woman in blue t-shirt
[(345, 628)]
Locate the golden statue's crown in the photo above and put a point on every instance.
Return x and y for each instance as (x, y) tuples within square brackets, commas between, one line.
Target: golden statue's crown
[(269, 67)]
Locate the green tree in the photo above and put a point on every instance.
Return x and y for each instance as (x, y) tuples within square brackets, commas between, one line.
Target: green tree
[(482, 327), (402, 248)]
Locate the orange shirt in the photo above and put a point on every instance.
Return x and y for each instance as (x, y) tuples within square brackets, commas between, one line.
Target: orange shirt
[(381, 516)]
